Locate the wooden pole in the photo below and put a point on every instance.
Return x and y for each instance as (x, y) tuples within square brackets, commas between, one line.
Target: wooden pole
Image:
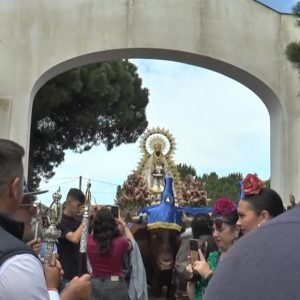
[(80, 182)]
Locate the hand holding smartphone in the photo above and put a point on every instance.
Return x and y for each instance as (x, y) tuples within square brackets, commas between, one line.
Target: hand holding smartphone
[(194, 250)]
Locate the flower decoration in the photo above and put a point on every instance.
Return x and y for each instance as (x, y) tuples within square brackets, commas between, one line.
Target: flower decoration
[(251, 185), (134, 193), (193, 192), (224, 206)]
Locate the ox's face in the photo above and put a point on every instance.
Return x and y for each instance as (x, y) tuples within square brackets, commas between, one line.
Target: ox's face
[(164, 244)]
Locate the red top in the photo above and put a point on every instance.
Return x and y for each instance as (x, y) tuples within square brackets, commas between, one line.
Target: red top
[(110, 264)]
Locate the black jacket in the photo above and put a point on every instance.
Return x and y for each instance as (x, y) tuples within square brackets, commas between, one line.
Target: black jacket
[(11, 242)]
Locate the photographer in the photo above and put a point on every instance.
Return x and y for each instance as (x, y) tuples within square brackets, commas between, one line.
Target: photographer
[(225, 232), (105, 249)]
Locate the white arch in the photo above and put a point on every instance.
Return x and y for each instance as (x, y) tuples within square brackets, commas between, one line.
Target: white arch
[(241, 39), (267, 96)]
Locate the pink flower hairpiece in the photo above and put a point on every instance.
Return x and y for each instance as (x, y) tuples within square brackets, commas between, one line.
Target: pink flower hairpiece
[(224, 206), (251, 185)]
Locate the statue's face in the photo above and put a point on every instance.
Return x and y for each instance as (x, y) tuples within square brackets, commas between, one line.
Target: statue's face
[(157, 149)]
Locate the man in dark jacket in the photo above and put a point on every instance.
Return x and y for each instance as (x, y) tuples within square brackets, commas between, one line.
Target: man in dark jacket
[(17, 260), (71, 228)]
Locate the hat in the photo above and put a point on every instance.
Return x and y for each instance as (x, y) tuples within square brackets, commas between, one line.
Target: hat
[(166, 214), (27, 193)]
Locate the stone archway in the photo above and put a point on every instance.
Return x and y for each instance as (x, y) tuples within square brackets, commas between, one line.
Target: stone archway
[(242, 39)]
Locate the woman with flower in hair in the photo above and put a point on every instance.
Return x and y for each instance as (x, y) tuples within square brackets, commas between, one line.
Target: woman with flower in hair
[(257, 204), (225, 232)]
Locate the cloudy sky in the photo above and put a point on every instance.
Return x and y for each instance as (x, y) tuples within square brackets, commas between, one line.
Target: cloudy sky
[(218, 125)]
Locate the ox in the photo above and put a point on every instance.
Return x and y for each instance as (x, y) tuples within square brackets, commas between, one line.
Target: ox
[(158, 248), (160, 240)]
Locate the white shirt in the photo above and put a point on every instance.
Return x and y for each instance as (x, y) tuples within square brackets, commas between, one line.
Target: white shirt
[(22, 277)]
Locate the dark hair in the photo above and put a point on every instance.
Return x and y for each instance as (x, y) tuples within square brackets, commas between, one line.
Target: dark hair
[(77, 194), (230, 219), (200, 225), (11, 165), (268, 200), (105, 229)]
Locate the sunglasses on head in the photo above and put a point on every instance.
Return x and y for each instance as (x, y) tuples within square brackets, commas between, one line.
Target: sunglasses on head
[(218, 224)]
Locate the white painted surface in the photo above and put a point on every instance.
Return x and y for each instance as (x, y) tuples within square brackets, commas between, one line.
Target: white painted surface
[(241, 39)]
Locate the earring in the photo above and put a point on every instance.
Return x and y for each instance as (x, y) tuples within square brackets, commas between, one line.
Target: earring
[(259, 225)]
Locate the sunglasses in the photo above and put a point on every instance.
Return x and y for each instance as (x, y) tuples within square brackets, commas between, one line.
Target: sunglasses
[(218, 224)]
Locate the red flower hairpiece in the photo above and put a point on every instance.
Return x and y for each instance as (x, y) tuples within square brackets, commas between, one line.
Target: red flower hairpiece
[(224, 206), (251, 185)]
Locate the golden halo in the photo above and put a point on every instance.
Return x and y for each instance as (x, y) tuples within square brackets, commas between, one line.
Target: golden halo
[(158, 138)]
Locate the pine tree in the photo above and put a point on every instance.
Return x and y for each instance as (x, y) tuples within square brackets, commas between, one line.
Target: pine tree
[(102, 103)]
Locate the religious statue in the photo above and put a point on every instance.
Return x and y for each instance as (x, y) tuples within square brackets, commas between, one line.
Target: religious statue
[(144, 186), (158, 171), (158, 146)]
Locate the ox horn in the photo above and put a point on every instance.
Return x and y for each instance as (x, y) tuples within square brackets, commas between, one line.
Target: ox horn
[(140, 219), (187, 220)]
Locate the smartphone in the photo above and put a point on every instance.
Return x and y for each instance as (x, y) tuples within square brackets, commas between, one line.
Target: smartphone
[(115, 211), (204, 248), (194, 250)]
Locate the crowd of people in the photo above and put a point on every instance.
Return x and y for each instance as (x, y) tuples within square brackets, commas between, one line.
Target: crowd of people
[(240, 269), (247, 251), (110, 246)]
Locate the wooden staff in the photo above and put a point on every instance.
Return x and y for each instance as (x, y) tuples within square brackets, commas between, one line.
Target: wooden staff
[(84, 233)]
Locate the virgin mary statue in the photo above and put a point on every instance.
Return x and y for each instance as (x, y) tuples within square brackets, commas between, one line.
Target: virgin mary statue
[(158, 146)]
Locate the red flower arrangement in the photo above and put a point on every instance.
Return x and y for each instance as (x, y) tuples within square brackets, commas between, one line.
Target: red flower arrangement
[(251, 185), (224, 206)]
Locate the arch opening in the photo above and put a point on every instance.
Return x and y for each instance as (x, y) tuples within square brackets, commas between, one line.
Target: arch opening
[(259, 88)]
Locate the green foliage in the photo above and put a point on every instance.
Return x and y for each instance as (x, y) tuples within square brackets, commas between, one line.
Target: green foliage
[(185, 170), (293, 53), (293, 49), (102, 103), (119, 191), (296, 9), (217, 187)]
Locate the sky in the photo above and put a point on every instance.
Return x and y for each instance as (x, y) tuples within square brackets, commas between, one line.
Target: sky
[(284, 6), (218, 124), (215, 122)]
